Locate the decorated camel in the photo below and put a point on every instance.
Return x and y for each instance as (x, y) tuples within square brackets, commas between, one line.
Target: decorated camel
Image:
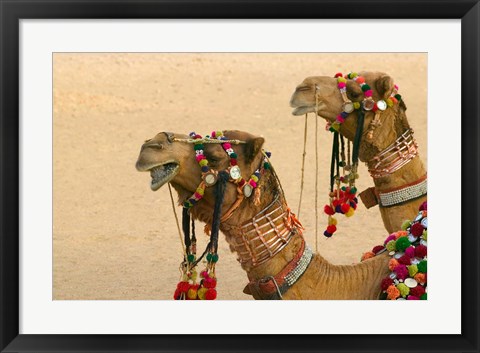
[(254, 216), (385, 144)]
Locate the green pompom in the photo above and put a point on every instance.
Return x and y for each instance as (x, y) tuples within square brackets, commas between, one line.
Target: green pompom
[(404, 290), (399, 97), (406, 224), (209, 257), (383, 296), (214, 257), (198, 146), (190, 257), (424, 296), (365, 87), (424, 235), (266, 165), (353, 190), (402, 243), (391, 245), (343, 188), (233, 155), (422, 266), (412, 270)]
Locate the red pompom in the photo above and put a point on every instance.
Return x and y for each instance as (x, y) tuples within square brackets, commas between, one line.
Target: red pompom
[(204, 274), (345, 207), (338, 74), (420, 251), (417, 291), (386, 282), (328, 210), (375, 107), (335, 203), (183, 287), (211, 294), (176, 295), (416, 229), (377, 248), (405, 260), (233, 161), (209, 282), (331, 229), (423, 206)]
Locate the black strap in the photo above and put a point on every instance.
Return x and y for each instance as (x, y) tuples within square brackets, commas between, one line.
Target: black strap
[(186, 228), (358, 136), (334, 165)]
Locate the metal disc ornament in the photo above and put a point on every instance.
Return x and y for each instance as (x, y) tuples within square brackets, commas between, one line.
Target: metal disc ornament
[(412, 238), (210, 178), (419, 217), (368, 104), (410, 283), (247, 190), (348, 107), (381, 105), (235, 172), (425, 222)]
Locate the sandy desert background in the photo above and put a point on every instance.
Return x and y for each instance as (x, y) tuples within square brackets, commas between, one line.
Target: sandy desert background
[(113, 238)]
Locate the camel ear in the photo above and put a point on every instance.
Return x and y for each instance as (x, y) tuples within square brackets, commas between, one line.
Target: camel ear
[(253, 147), (384, 86)]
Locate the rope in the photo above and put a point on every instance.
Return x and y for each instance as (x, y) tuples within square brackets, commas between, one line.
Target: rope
[(316, 181), (184, 250), (209, 140), (303, 164)]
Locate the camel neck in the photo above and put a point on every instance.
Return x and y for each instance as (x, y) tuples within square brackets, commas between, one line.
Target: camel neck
[(408, 174)]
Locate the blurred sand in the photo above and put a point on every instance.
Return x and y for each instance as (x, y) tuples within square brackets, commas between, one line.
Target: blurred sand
[(116, 239)]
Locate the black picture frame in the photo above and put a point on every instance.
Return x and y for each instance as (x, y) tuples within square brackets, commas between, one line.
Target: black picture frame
[(12, 11)]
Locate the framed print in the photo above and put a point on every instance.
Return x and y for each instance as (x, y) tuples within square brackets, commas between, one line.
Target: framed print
[(219, 105)]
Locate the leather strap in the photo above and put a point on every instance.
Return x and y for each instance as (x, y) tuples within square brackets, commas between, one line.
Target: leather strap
[(274, 287)]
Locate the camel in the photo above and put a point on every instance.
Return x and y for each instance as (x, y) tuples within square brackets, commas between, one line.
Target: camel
[(322, 92), (169, 160)]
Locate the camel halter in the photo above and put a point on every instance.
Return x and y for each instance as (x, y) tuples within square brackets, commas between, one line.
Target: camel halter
[(188, 288)]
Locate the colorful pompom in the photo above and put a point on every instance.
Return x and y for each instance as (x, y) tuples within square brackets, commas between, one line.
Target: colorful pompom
[(210, 294), (402, 243), (410, 251), (422, 266), (412, 270), (420, 251), (420, 278), (392, 264), (404, 290), (418, 291), (391, 245), (416, 229), (201, 293), (401, 271), (406, 224), (368, 255), (392, 292)]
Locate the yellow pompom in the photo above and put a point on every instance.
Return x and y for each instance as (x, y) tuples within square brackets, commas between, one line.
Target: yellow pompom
[(350, 212), (404, 290), (424, 235), (356, 105), (200, 191), (353, 75), (391, 245), (192, 294), (254, 178), (389, 102), (203, 162), (218, 133), (332, 221), (341, 79), (336, 126), (412, 270), (201, 293)]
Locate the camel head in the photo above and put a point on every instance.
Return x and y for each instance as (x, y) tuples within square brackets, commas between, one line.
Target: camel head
[(322, 92), (170, 160)]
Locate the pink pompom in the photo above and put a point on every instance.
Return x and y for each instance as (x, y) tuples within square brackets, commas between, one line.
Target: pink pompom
[(410, 251), (340, 119), (405, 260), (412, 297), (396, 87), (253, 184), (401, 271), (197, 195), (368, 93), (200, 157), (342, 85), (227, 146), (390, 237)]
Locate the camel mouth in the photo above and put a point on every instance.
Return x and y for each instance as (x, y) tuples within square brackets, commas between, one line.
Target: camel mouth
[(162, 174), (304, 109)]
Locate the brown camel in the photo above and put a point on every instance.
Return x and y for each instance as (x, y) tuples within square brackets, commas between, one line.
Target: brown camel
[(393, 124), (169, 160)]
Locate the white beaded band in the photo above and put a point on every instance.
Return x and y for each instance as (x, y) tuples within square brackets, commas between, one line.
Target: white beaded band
[(302, 265), (406, 194)]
